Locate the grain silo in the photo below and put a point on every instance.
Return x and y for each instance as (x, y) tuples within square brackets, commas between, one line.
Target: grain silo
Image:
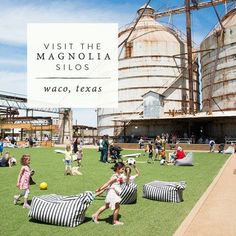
[(153, 60), (218, 61)]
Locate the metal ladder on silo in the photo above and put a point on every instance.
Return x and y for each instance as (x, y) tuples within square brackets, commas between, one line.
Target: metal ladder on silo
[(180, 76), (118, 130), (219, 38), (167, 91)]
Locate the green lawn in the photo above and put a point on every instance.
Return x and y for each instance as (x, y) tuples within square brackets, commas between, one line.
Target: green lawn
[(146, 217)]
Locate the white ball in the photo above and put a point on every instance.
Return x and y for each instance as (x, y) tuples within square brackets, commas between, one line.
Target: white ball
[(131, 161), (162, 162)]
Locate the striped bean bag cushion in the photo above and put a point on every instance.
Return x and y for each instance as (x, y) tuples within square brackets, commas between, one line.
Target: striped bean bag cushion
[(128, 193), (164, 191), (61, 210)]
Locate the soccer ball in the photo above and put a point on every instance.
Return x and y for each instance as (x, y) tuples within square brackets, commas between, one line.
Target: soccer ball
[(162, 162), (131, 161), (43, 186)]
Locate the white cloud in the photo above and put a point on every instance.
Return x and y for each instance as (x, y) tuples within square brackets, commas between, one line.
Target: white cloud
[(13, 82), (14, 19), (13, 62)]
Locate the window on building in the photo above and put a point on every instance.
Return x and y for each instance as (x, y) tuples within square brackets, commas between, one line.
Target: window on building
[(128, 49)]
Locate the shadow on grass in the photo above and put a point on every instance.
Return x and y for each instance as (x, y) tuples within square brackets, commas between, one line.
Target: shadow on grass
[(108, 220), (86, 220)]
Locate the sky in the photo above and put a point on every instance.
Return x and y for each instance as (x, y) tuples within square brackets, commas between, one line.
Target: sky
[(14, 16)]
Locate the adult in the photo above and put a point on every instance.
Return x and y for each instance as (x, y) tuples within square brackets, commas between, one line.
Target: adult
[(212, 145), (1, 145), (163, 142), (221, 148), (141, 143), (13, 141), (158, 146), (105, 145), (180, 154), (193, 137), (75, 146), (81, 143), (174, 137), (100, 148), (31, 141)]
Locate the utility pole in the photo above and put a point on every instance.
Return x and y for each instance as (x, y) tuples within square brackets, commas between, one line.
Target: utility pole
[(190, 61)]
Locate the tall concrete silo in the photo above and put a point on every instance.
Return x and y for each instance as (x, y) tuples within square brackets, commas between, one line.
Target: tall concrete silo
[(65, 126), (153, 59), (218, 61)]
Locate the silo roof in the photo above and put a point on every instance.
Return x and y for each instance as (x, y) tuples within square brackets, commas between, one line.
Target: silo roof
[(227, 21), (148, 7), (148, 29)]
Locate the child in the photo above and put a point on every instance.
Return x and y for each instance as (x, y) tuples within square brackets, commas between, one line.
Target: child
[(158, 145), (128, 178), (113, 195), (11, 161), (79, 154), (76, 171), (23, 181), (172, 157), (68, 160), (6, 160), (163, 156), (150, 152)]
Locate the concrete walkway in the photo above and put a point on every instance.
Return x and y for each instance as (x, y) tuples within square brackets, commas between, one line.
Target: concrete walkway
[(215, 212)]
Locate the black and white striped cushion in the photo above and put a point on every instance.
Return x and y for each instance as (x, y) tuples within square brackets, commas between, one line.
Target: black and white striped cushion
[(128, 193), (61, 210), (164, 191)]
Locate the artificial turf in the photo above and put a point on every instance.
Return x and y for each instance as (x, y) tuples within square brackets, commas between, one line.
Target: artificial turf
[(146, 217)]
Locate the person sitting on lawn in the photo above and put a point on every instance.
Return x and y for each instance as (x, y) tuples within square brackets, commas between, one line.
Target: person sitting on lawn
[(178, 154), (7, 160), (163, 156)]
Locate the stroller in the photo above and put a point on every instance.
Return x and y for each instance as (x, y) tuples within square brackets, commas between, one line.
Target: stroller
[(221, 148), (115, 153)]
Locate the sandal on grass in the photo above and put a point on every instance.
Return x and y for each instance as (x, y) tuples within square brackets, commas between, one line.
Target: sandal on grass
[(118, 223), (94, 219)]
